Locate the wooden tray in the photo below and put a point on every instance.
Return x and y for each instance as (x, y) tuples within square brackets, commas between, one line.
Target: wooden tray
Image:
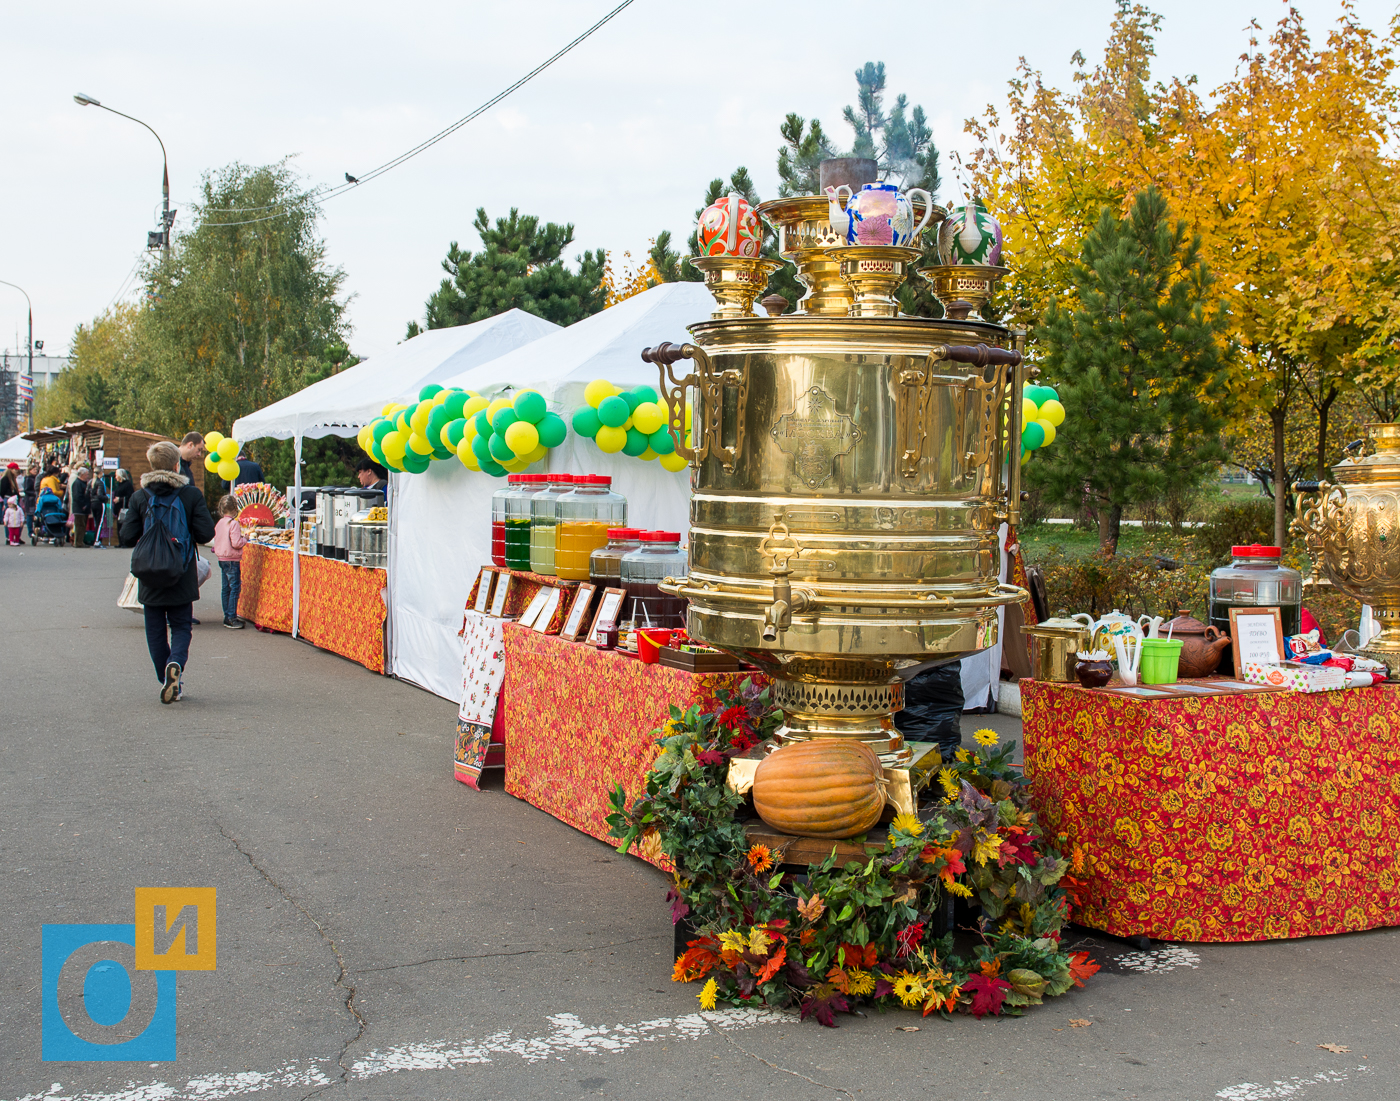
[(698, 663)]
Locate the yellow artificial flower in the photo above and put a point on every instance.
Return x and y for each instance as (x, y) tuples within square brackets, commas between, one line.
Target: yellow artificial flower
[(860, 982), (907, 823), (985, 847), (949, 782), (707, 994), (986, 737), (963, 755), (759, 940), (733, 940), (959, 889), (909, 990)]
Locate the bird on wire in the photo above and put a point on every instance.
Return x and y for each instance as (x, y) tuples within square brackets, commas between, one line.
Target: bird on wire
[(350, 179)]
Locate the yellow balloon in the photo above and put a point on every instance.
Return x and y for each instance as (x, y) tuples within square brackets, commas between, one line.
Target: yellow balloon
[(211, 463), (597, 390), (211, 439), (610, 440), (1049, 432), (1029, 411), (471, 393), (361, 435), (1026, 457), (228, 470), (474, 406), (689, 414), (227, 449), (673, 462), (537, 454), (393, 445), (522, 437), (401, 423), (516, 465), (648, 418), (1053, 412), (496, 406), (467, 455), (648, 455), (420, 443), (419, 418), (388, 408), (441, 396)]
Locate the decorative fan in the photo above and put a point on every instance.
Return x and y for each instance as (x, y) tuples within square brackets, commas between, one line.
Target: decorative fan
[(260, 505)]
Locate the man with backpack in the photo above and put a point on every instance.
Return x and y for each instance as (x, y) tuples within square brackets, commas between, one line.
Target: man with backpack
[(165, 520)]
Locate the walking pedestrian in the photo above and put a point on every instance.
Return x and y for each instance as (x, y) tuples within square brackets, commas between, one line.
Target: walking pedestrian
[(80, 505), (9, 482), (192, 452), (97, 497), (122, 489), (29, 497), (14, 522), (229, 542), (167, 496)]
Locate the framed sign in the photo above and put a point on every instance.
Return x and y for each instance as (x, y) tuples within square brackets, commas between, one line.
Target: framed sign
[(573, 624), (483, 590), (1256, 634), (546, 616), (609, 608), (536, 607), (498, 599)]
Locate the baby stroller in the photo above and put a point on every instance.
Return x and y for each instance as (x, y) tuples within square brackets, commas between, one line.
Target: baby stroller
[(50, 521)]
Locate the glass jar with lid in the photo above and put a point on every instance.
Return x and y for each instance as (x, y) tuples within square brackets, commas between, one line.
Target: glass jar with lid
[(657, 557), (517, 520), (586, 513), (544, 521), (498, 516), (605, 563), (1256, 577)]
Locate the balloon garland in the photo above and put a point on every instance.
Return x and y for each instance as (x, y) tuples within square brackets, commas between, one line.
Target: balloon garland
[(633, 422), (1041, 415), (221, 456), (498, 437)]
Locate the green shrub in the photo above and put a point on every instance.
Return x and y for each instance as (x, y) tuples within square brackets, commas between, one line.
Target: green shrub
[(1250, 520), (1134, 584)]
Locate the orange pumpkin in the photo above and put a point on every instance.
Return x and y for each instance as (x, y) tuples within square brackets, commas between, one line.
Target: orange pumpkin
[(825, 788)]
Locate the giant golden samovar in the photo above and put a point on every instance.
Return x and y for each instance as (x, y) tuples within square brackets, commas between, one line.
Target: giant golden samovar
[(847, 487), (1353, 533)]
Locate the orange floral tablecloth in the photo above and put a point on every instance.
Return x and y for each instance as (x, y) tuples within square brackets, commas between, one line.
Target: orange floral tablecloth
[(342, 606), (1232, 818), (579, 721)]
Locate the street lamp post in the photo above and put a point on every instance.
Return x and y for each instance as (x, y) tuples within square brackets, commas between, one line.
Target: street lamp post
[(29, 401), (167, 218)]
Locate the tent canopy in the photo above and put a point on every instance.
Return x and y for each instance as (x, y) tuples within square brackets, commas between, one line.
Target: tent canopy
[(341, 404), (607, 345), (14, 450)]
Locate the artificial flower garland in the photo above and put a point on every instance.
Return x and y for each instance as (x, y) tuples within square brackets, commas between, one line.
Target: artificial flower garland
[(858, 932)]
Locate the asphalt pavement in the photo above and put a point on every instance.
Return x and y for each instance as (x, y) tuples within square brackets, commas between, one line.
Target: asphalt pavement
[(385, 932)]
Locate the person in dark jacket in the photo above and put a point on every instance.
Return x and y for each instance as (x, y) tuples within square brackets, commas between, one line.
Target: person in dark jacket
[(80, 505), (933, 707), (169, 611), (122, 489)]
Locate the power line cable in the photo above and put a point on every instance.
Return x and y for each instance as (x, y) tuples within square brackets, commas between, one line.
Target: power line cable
[(388, 166)]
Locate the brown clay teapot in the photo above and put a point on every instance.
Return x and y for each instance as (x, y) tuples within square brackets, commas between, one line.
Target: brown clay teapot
[(1201, 646)]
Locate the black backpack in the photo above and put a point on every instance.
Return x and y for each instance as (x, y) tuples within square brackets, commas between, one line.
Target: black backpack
[(162, 554)]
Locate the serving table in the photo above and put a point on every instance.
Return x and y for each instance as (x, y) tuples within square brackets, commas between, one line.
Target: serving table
[(1245, 817)]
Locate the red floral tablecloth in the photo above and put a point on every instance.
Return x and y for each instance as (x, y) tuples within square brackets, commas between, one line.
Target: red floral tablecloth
[(1233, 818), (579, 721), (342, 606)]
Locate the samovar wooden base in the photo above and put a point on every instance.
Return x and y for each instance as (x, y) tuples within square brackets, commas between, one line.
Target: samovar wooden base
[(905, 782)]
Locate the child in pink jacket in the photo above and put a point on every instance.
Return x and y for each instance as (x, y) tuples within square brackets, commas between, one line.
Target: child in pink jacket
[(14, 522), (228, 548)]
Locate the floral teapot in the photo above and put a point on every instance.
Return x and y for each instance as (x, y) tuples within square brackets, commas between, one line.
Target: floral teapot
[(880, 214), (1111, 626)]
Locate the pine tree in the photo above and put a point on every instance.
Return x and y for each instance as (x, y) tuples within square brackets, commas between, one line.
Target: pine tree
[(519, 267), (1130, 361)]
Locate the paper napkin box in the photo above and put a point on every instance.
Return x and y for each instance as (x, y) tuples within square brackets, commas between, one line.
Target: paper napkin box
[(1296, 675)]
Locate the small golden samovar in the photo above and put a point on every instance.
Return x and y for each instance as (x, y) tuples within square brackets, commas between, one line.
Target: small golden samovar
[(849, 473), (1353, 531)]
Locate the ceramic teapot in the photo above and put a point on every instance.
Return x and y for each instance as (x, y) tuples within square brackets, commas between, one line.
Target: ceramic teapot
[(879, 214), (1104, 630), (970, 235), (1201, 646), (729, 227)]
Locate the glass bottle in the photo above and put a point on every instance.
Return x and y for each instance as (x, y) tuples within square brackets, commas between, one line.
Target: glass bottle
[(1255, 577), (605, 563), (517, 525), (658, 556), (498, 518), (544, 521), (586, 513)]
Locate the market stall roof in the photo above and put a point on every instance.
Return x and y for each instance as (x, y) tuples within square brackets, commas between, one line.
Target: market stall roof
[(341, 404), (56, 433), (15, 450), (607, 345)]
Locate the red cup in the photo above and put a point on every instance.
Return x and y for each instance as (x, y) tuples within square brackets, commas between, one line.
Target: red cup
[(649, 640)]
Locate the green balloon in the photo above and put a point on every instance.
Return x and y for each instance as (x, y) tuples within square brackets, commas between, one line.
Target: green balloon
[(644, 394), (661, 442), (436, 420), (636, 443), (481, 448), (440, 452), (553, 430), (415, 463), (614, 411), (454, 404), (500, 450), (456, 429), (432, 390), (530, 407), (503, 419), (493, 468), (586, 422), (483, 425), (1032, 436), (381, 429), (377, 453), (633, 398)]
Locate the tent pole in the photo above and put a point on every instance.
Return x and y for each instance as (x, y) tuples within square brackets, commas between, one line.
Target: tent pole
[(296, 533)]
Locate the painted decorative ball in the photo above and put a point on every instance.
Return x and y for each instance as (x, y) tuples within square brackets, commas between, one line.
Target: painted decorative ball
[(970, 235), (730, 227)]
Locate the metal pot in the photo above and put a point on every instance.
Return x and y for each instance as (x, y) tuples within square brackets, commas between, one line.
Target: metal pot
[(1054, 646), (368, 541)]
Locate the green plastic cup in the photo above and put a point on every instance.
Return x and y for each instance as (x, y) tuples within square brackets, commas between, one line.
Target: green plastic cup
[(1160, 657)]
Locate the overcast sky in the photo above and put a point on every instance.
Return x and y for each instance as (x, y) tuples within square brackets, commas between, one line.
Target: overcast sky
[(619, 138)]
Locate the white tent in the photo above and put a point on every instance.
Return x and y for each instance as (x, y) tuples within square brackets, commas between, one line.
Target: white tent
[(341, 404), (440, 525), (15, 450)]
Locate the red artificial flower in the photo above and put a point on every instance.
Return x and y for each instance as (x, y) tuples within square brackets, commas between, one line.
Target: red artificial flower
[(696, 961), (709, 757), (988, 994), (733, 717), (909, 938), (1081, 967), (823, 1003), (853, 955)]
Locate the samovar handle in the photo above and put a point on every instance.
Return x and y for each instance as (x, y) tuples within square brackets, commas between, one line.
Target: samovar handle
[(711, 385), (664, 355)]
